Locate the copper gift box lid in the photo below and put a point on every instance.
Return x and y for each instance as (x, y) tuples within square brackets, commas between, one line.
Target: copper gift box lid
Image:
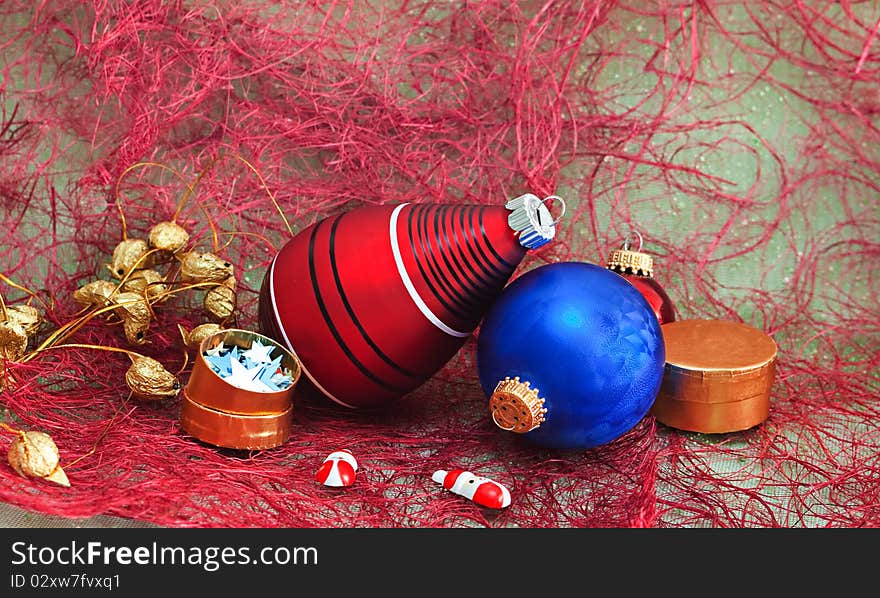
[(219, 413), (717, 378)]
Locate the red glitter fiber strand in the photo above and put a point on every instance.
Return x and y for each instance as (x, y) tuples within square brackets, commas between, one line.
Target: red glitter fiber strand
[(632, 112)]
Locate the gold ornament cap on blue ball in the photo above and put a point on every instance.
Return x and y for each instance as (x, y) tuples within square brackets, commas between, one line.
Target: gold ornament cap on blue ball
[(516, 406)]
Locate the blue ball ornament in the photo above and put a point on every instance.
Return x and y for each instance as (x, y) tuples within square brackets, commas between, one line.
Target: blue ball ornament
[(571, 355)]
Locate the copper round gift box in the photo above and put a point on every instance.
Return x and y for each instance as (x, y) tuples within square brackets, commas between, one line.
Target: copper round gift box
[(219, 413), (717, 378), (244, 432)]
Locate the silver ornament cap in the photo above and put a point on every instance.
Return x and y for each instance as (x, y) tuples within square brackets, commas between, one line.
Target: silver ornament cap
[(531, 219)]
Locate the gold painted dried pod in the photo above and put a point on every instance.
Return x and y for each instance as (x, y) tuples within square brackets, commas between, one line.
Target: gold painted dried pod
[(220, 301), (147, 281), (6, 379), (193, 339), (96, 293), (204, 266), (135, 314), (126, 256), (149, 380), (34, 454), (168, 236), (26, 316), (136, 330), (131, 306), (13, 341)]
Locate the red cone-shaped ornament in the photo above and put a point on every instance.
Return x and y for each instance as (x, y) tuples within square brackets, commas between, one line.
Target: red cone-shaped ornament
[(375, 301), (638, 268)]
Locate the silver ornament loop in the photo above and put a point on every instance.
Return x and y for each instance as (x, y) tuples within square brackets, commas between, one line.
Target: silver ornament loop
[(626, 240), (530, 219), (561, 201)]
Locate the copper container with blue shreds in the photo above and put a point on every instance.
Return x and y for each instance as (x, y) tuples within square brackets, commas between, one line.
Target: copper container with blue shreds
[(230, 408)]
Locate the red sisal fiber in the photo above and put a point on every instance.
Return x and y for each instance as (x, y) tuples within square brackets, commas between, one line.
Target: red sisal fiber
[(741, 139)]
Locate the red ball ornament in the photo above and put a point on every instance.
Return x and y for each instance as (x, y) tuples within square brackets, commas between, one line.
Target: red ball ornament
[(638, 269), (373, 302)]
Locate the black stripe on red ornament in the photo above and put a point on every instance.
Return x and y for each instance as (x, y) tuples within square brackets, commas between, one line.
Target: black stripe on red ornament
[(479, 289), (453, 292), (444, 250), (329, 321), (348, 308), (471, 242), (417, 228), (489, 244)]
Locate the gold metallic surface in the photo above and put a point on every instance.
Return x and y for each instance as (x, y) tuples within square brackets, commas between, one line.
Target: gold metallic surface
[(207, 388), (27, 316), (127, 255), (199, 266), (516, 407), (712, 418), (150, 381), (135, 314), (33, 454), (13, 341), (193, 339), (146, 282), (718, 376), (716, 347), (245, 432), (630, 262), (220, 301), (168, 236), (96, 292)]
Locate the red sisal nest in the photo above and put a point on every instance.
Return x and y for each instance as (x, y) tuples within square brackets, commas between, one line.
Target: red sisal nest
[(741, 140)]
